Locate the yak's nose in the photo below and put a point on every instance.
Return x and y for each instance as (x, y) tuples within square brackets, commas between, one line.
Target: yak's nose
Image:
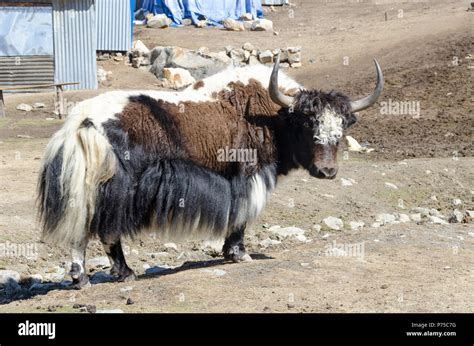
[(329, 172)]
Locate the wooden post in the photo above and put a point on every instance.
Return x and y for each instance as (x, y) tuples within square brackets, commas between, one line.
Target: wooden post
[(59, 101), (2, 105)]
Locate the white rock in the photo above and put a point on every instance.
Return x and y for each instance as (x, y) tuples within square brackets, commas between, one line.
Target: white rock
[(317, 228), (391, 186), (215, 245), (38, 105), (416, 217), (355, 225), (8, 277), (286, 231), (56, 273), (178, 77), (171, 246), (435, 212), (437, 220), (246, 16), (126, 289), (139, 48), (98, 262), (262, 25), (457, 202), (470, 213), (266, 57), (301, 238), (385, 219), (403, 218), (269, 242), (233, 25), (346, 182), (333, 223), (456, 216), (434, 198), (352, 144), (24, 107), (375, 225), (253, 60), (248, 47), (422, 211), (36, 278), (214, 272), (159, 21)]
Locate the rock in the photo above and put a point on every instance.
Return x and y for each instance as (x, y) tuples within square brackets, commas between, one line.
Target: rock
[(239, 55), (391, 186), (422, 211), (247, 24), (214, 272), (228, 49), (171, 246), (248, 47), (375, 225), (456, 202), (456, 216), (253, 60), (38, 105), (55, 273), (352, 144), (198, 65), (262, 25), (246, 17), (286, 231), (110, 311), (385, 219), (317, 228), (126, 289), (130, 301), (266, 57), (233, 25), (201, 23), (294, 55), (301, 238), (9, 277), (98, 262), (295, 65), (186, 21), (139, 49), (470, 213), (333, 223), (101, 74), (269, 242), (437, 220), (403, 218), (203, 50), (416, 217), (36, 278), (178, 77), (214, 245), (346, 182), (221, 56), (24, 107), (356, 225), (435, 212), (159, 21)]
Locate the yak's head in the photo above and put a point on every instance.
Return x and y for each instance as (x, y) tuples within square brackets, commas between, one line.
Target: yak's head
[(318, 121)]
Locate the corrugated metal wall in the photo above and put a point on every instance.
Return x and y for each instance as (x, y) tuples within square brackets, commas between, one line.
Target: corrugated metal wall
[(75, 43), (114, 25), (26, 70)]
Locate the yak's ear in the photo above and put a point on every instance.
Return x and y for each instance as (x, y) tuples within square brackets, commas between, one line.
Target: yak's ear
[(350, 120)]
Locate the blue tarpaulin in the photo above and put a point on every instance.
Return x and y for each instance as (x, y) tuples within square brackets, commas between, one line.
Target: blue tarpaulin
[(214, 10)]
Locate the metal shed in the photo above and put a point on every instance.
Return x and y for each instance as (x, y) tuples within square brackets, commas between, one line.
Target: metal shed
[(56, 40)]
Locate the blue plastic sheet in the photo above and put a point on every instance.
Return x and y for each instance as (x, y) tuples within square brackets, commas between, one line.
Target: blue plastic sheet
[(26, 31), (214, 10)]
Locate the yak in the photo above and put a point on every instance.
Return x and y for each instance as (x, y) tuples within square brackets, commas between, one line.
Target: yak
[(150, 161)]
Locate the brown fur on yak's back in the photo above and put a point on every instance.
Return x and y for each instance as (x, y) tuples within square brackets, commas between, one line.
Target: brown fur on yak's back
[(196, 131)]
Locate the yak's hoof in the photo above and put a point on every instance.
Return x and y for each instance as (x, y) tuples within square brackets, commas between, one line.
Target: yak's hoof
[(237, 254), (127, 275), (81, 282)]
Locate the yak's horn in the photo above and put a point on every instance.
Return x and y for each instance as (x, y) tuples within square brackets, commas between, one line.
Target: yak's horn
[(368, 101), (275, 94)]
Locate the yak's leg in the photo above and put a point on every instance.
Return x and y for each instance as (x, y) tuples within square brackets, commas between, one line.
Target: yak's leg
[(234, 248), (78, 266), (113, 249)]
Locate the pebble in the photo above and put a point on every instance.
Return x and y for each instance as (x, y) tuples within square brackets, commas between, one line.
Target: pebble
[(126, 289), (286, 231), (346, 182), (385, 219), (403, 218), (391, 186), (317, 228), (456, 216), (437, 220), (355, 225), (456, 202), (269, 242), (130, 301), (38, 105), (98, 262), (24, 107), (8, 277), (214, 272), (333, 223)]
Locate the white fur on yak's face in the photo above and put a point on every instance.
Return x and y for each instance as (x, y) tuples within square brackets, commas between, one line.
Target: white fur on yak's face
[(330, 127)]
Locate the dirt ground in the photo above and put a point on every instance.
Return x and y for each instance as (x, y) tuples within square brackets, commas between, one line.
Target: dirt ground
[(426, 50)]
